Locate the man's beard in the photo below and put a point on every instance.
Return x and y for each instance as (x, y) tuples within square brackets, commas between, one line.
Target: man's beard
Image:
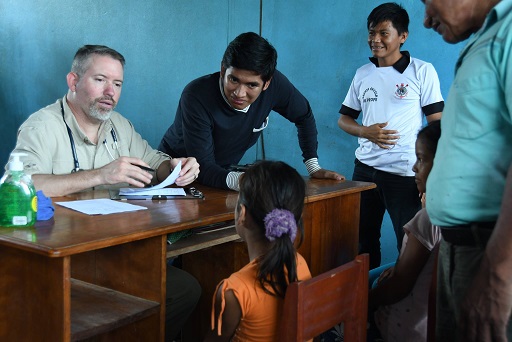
[(98, 113)]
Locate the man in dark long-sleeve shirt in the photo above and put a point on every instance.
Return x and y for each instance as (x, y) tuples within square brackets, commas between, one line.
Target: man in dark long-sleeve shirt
[(220, 116)]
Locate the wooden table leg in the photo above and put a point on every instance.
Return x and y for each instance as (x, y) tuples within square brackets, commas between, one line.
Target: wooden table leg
[(331, 232), (34, 297)]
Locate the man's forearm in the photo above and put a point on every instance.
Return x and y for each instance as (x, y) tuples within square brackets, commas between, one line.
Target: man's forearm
[(350, 125), (60, 185), (500, 244), (488, 301)]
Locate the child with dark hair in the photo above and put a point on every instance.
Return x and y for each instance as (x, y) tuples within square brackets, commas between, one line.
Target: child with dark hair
[(247, 305), (401, 295)]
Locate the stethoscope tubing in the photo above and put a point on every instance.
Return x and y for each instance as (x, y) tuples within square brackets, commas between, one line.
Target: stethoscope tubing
[(72, 142)]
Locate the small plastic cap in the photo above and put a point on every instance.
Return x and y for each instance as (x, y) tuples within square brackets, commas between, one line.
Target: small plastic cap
[(16, 164)]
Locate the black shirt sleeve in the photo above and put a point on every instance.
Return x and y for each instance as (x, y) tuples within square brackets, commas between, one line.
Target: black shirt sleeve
[(292, 105), (354, 114)]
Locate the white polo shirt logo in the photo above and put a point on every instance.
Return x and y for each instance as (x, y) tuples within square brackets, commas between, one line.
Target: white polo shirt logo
[(401, 90)]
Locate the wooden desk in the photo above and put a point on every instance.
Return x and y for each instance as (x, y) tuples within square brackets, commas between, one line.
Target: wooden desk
[(78, 277)]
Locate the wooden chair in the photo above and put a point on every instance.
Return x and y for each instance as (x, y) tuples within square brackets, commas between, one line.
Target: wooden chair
[(313, 306)]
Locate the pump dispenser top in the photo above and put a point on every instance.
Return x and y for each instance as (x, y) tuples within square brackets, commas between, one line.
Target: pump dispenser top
[(15, 164)]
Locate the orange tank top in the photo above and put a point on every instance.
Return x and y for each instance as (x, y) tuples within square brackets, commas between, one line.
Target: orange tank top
[(260, 310)]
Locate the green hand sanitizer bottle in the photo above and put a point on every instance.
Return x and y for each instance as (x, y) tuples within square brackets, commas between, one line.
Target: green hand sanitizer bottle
[(18, 199)]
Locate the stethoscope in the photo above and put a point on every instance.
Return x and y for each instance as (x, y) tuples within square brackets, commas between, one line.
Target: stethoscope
[(72, 142)]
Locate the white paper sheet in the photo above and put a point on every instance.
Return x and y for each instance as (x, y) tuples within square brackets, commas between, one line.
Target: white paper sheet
[(100, 206), (168, 181)]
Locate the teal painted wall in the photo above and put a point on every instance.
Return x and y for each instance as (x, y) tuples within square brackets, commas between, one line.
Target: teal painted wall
[(167, 43)]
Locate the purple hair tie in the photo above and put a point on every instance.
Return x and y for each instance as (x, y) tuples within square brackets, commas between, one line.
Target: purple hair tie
[(279, 222)]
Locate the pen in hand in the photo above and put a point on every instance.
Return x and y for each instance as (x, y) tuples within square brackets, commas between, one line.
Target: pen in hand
[(145, 168)]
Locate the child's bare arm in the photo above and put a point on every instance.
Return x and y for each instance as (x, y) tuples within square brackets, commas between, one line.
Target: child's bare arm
[(404, 275), (230, 317)]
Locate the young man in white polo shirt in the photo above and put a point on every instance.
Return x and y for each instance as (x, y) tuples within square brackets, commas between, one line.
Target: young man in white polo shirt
[(393, 92)]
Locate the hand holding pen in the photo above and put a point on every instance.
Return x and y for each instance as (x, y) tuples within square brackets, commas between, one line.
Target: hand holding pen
[(136, 172), (129, 170)]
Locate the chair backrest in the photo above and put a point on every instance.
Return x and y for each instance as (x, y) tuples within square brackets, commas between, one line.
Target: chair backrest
[(313, 306)]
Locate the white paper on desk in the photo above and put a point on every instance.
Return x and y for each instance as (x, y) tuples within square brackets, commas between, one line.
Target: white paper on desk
[(168, 181), (100, 206)]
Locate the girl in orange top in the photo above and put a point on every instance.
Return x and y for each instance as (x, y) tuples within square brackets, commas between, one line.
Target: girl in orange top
[(247, 306)]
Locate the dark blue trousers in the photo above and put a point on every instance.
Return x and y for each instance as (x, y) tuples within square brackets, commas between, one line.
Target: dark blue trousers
[(396, 194)]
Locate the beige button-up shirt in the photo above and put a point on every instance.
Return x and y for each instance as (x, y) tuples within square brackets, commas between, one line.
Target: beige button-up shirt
[(43, 137)]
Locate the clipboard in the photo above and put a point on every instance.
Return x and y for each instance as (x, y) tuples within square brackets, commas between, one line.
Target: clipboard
[(190, 193)]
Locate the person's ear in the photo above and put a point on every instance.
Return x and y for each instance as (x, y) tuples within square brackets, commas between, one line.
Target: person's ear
[(403, 37), (265, 86), (72, 79), (242, 212), (222, 71)]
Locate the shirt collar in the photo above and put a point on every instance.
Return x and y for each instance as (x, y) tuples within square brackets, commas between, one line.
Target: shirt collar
[(400, 65), (498, 12), (221, 88)]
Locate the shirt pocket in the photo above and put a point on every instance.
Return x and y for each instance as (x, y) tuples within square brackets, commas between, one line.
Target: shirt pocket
[(477, 109)]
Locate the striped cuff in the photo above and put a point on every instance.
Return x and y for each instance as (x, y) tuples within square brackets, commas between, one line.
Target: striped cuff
[(312, 165), (232, 180)]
